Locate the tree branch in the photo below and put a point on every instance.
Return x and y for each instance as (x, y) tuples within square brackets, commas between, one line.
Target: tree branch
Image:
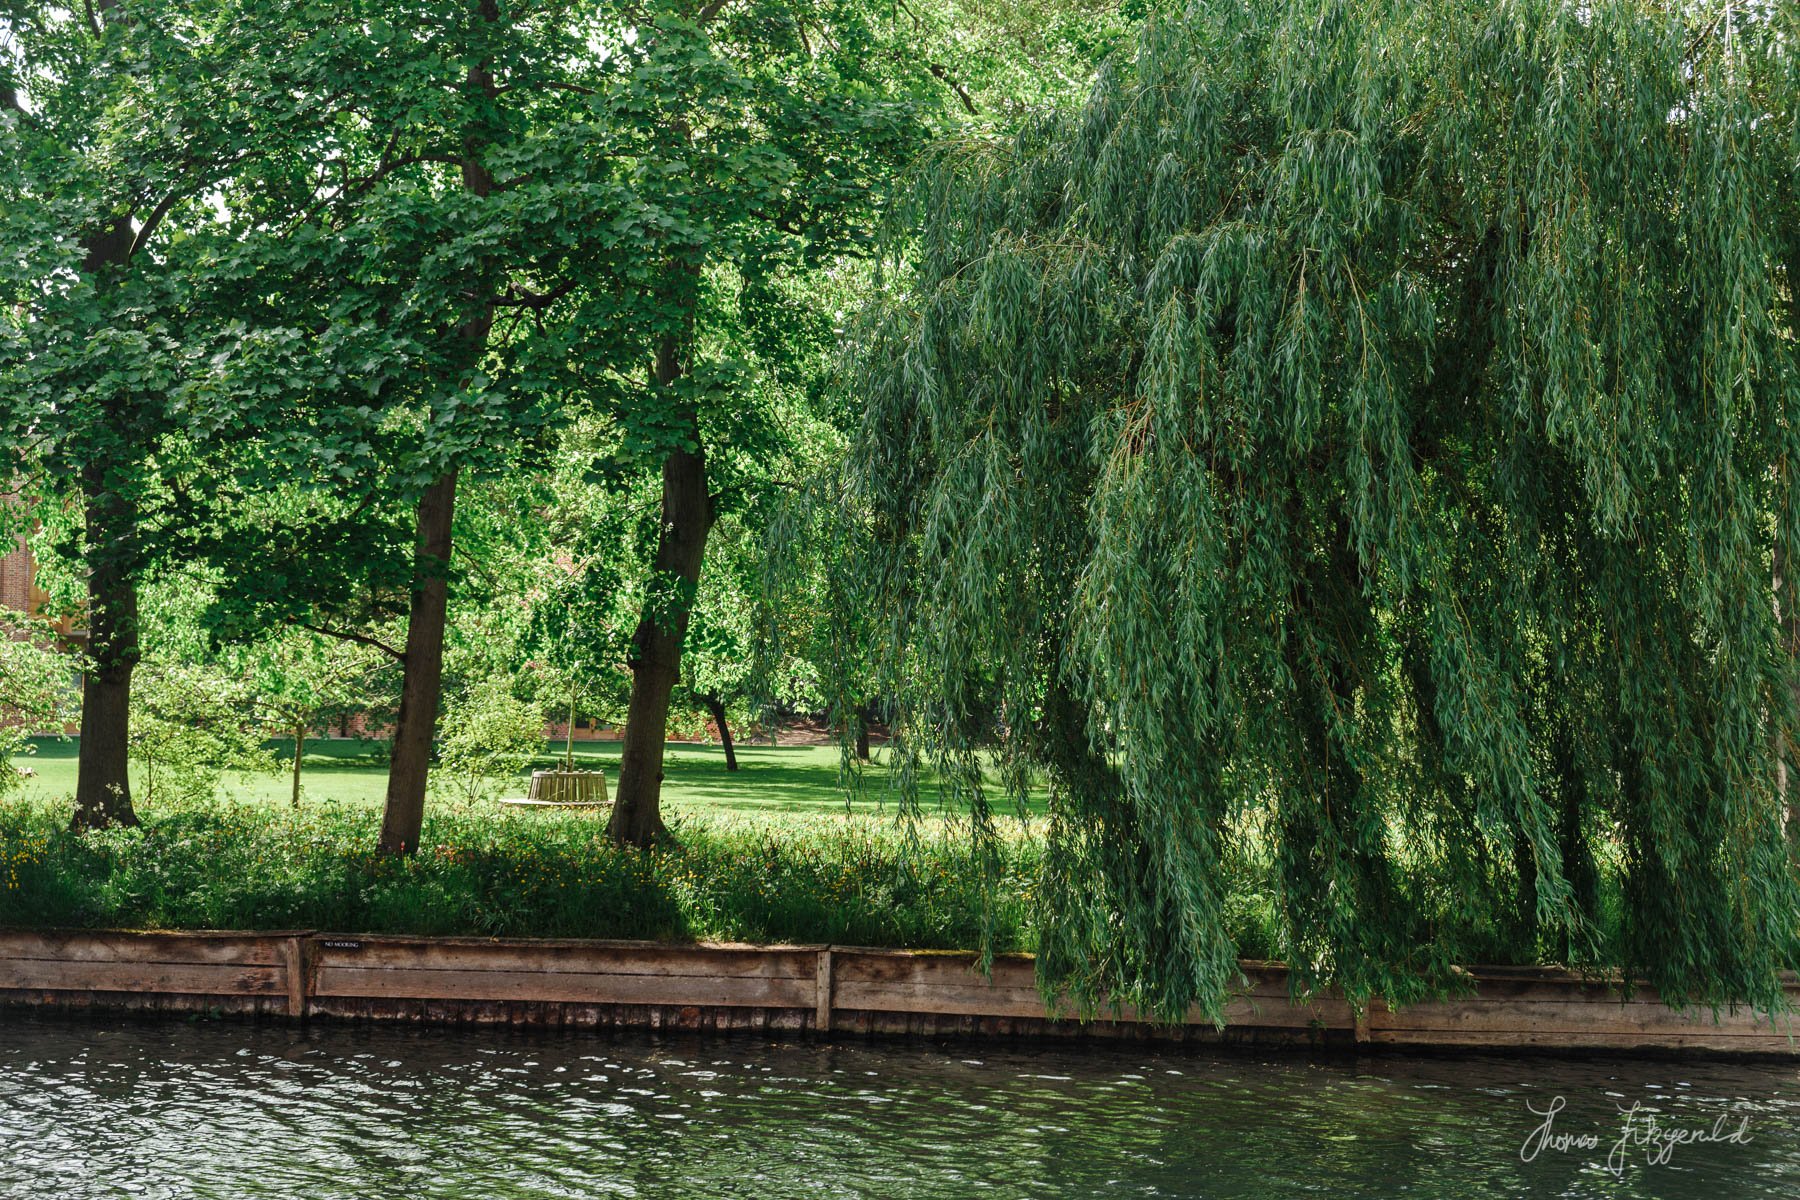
[(382, 171), (346, 635), (518, 297), (942, 73), (151, 222), (555, 85)]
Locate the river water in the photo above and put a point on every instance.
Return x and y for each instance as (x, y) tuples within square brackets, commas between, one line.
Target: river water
[(163, 1107)]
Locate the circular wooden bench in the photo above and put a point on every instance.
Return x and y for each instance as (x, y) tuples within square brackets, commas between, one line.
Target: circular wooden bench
[(564, 789)]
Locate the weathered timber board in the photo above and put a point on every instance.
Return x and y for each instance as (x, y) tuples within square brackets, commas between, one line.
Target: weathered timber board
[(626, 958), (562, 986), (728, 986), (240, 949), (206, 979)]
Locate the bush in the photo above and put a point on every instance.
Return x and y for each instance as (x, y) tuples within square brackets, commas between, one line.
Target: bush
[(190, 724), (490, 735)]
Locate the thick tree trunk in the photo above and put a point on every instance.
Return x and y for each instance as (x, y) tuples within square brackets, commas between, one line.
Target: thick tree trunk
[(410, 759), (102, 789), (687, 517), (102, 782), (863, 715), (716, 707), (102, 785)]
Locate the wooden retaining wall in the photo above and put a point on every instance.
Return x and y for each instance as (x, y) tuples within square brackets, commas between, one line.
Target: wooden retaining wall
[(824, 989)]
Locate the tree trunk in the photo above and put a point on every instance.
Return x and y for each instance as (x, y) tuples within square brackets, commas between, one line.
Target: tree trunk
[(687, 517), (409, 761), (716, 707), (862, 732), (299, 753), (421, 685), (102, 782)]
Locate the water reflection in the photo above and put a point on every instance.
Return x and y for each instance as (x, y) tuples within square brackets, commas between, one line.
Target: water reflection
[(156, 1108)]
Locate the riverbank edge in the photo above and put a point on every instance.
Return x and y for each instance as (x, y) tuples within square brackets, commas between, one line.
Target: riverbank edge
[(811, 990)]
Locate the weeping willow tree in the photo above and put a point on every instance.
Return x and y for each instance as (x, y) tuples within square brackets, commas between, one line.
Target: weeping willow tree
[(1364, 435)]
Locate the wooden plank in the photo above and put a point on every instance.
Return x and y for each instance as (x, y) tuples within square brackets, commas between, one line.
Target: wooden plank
[(971, 998), (399, 939), (294, 967), (628, 959), (822, 993), (219, 979), (977, 1000), (1569, 1015), (248, 949), (401, 983), (866, 967), (1764, 1043), (953, 988)]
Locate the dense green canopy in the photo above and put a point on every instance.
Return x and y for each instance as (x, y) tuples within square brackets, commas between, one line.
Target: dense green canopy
[(1367, 426)]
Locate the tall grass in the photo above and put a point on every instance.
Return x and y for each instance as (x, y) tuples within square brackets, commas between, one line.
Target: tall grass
[(235, 866), (844, 880)]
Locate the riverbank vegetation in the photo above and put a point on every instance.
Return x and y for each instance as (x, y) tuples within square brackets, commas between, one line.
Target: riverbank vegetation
[(1332, 459), (851, 878)]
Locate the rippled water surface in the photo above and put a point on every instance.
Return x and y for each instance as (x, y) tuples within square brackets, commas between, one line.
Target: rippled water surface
[(165, 1108)]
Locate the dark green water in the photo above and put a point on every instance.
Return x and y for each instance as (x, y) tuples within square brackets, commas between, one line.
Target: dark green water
[(160, 1108)]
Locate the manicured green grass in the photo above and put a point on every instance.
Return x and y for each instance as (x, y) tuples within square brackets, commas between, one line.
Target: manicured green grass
[(772, 782)]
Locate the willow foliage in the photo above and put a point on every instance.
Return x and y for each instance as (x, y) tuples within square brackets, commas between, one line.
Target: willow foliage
[(1361, 436)]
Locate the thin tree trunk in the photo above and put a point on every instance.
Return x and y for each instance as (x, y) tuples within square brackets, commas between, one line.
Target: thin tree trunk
[(421, 686), (409, 762), (687, 517), (716, 707), (299, 753)]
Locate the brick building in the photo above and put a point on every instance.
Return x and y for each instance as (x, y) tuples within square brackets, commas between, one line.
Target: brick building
[(19, 591), (16, 578)]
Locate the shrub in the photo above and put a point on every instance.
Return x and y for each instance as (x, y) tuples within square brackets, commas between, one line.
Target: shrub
[(490, 735)]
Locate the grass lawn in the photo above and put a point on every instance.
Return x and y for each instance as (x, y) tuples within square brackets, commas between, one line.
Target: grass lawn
[(772, 782), (770, 852)]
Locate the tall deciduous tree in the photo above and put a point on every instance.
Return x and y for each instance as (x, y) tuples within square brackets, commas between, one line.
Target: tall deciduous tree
[(1370, 424), (377, 363), (118, 121), (749, 146)]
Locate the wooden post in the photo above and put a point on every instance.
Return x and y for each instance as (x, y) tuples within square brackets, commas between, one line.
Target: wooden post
[(1362, 1024), (293, 953), (822, 1013)]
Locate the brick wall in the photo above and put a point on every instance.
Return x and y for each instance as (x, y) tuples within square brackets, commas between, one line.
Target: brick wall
[(16, 576)]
